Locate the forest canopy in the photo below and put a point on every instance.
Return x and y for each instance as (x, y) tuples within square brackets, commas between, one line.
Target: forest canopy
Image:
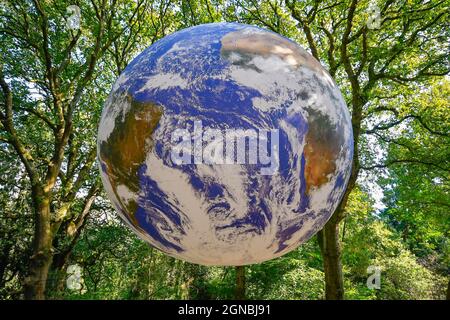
[(390, 59)]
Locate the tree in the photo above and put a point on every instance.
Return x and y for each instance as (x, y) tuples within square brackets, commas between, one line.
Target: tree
[(367, 63), (60, 87), (416, 180)]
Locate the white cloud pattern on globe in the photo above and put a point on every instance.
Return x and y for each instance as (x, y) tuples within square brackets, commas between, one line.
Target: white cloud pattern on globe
[(225, 77)]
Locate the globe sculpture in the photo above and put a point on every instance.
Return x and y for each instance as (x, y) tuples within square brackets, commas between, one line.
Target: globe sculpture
[(225, 144)]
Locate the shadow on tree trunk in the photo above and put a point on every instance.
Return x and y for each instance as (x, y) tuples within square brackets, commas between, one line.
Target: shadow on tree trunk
[(330, 248)]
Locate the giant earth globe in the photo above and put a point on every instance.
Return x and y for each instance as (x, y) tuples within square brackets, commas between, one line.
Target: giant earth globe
[(225, 144)]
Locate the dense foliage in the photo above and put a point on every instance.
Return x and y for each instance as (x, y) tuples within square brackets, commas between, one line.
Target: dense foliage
[(54, 214)]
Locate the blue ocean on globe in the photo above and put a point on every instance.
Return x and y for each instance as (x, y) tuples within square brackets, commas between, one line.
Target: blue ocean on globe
[(225, 144)]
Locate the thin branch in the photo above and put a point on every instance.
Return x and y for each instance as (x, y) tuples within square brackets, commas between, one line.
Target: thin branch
[(13, 138)]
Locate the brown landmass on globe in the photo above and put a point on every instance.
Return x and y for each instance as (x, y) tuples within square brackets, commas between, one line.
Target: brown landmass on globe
[(320, 162), (126, 147), (322, 146)]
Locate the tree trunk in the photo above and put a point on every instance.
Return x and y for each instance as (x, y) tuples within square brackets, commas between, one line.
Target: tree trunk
[(41, 260), (58, 270), (328, 239), (240, 283)]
